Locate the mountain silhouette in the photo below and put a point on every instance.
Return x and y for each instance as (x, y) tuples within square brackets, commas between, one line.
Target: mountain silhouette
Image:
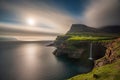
[(111, 29), (78, 28)]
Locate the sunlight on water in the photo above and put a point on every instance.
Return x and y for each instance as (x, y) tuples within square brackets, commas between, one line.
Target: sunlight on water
[(29, 63), (35, 61), (31, 50)]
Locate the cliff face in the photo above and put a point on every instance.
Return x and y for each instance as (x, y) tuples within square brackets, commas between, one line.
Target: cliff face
[(112, 53), (80, 50), (107, 67)]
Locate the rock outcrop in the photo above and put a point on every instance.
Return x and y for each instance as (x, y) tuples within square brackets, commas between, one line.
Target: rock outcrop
[(79, 50), (112, 53)]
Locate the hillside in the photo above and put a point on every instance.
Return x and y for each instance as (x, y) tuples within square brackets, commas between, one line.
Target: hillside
[(81, 29), (82, 35), (76, 42), (77, 28), (107, 67), (114, 29), (82, 32)]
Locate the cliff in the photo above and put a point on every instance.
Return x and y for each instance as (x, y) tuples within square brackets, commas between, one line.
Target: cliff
[(80, 50), (112, 53), (107, 67), (75, 44)]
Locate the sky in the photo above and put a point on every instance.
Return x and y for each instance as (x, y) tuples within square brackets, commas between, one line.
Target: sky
[(45, 19)]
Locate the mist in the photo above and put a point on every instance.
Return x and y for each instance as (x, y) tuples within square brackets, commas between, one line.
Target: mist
[(100, 13)]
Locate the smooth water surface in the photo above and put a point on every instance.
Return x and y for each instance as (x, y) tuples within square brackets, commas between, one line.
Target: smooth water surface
[(34, 61)]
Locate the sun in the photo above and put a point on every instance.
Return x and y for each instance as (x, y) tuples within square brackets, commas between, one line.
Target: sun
[(30, 21)]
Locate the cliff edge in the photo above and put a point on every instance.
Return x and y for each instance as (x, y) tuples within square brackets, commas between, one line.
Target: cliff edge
[(107, 67)]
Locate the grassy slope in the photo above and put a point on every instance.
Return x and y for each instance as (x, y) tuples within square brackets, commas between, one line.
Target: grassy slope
[(84, 36), (91, 38), (106, 72)]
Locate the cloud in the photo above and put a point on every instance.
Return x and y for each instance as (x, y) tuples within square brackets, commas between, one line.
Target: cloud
[(102, 12), (45, 14), (50, 20), (22, 30)]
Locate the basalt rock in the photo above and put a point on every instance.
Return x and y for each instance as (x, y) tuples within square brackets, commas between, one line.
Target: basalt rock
[(79, 50), (112, 53)]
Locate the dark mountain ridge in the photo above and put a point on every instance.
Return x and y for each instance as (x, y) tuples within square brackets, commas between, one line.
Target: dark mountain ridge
[(110, 29), (77, 28)]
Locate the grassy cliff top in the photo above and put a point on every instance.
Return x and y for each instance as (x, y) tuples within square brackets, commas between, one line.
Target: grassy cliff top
[(87, 36), (107, 72), (90, 38)]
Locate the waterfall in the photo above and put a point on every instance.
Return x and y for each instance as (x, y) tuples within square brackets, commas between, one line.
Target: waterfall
[(90, 56)]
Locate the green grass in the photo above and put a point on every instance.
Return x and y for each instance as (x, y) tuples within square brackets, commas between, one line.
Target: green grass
[(89, 38), (92, 34), (107, 72)]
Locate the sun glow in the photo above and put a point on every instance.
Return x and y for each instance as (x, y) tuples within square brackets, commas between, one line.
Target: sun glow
[(30, 21)]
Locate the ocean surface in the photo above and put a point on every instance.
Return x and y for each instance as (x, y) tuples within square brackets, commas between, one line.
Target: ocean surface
[(35, 61)]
